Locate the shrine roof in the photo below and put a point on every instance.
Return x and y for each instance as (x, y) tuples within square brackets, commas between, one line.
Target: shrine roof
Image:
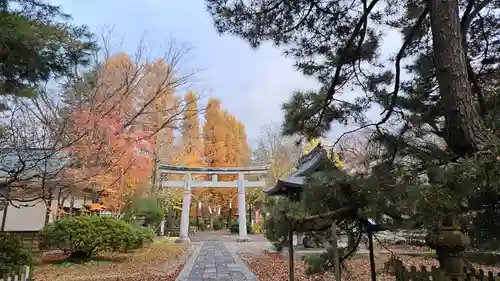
[(307, 165)]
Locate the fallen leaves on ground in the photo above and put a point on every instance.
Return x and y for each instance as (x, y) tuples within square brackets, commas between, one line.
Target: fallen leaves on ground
[(159, 262), (274, 266)]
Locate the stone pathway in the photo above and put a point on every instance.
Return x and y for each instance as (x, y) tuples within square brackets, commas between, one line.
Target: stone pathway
[(212, 261)]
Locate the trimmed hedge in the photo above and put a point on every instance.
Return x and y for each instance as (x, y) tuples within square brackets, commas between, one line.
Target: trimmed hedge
[(84, 236)]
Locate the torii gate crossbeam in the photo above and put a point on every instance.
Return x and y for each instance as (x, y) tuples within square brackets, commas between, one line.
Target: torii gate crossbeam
[(187, 183)]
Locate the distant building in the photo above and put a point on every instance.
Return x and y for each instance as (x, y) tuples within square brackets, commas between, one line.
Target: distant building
[(35, 175), (31, 176)]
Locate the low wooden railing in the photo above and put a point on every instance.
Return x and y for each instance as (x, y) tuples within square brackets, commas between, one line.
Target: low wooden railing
[(436, 274), (23, 275)]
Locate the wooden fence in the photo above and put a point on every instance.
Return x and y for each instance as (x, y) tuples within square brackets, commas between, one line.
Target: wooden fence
[(22, 276), (436, 274), (28, 238)]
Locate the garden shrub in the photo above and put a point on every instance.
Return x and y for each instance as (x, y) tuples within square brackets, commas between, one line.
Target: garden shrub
[(148, 235), (193, 229), (235, 227), (262, 224), (249, 228), (148, 209), (84, 236), (203, 224), (256, 229), (13, 254), (217, 224), (142, 236)]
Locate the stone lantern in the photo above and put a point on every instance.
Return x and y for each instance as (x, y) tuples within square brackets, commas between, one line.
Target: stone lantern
[(450, 242)]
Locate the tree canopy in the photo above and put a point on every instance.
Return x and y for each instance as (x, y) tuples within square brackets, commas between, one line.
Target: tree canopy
[(437, 135), (39, 44)]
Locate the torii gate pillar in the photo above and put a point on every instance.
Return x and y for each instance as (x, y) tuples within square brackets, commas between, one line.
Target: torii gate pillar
[(186, 204), (242, 213)]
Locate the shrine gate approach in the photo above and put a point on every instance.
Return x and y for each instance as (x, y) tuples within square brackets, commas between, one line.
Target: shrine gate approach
[(187, 183)]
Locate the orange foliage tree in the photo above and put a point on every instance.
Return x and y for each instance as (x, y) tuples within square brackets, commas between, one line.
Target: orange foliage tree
[(160, 115), (191, 135), (214, 133), (118, 124), (109, 160), (237, 151), (225, 145)]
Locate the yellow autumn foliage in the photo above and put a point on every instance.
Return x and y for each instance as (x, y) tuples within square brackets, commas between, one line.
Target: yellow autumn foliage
[(335, 157)]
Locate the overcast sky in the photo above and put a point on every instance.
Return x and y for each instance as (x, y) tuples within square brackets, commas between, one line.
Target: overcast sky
[(252, 84)]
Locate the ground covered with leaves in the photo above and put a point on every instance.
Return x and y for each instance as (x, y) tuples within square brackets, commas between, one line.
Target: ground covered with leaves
[(159, 262), (274, 266)]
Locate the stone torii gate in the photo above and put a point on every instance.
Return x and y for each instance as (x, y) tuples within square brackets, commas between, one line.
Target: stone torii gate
[(187, 183)]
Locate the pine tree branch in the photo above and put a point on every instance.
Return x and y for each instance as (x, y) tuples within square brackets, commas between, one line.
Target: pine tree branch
[(342, 59), (397, 83), (322, 221)]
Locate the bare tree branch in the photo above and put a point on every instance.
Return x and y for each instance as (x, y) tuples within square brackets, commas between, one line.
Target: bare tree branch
[(46, 129)]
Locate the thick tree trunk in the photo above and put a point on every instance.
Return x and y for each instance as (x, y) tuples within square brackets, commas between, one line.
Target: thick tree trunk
[(466, 131)]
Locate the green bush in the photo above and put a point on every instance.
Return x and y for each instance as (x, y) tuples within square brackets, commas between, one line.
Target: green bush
[(217, 224), (255, 229), (148, 209), (142, 236), (235, 227), (203, 224), (13, 254), (84, 236), (148, 235)]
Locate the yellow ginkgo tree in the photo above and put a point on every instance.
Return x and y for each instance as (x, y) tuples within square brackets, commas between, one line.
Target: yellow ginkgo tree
[(333, 155), (172, 198)]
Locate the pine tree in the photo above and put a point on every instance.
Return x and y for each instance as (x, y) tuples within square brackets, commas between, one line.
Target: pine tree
[(39, 43), (443, 111)]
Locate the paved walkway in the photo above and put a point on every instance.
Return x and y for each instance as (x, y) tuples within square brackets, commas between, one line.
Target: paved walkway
[(212, 261)]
